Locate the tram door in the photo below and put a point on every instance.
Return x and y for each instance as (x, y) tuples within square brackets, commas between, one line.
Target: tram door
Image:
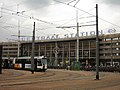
[(6, 64)]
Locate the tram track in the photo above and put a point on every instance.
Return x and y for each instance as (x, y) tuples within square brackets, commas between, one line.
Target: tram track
[(51, 77), (26, 77), (44, 77)]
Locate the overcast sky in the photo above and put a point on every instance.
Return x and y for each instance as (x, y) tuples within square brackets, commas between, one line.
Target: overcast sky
[(49, 14)]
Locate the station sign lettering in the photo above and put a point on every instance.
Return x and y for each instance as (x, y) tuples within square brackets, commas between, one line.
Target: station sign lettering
[(73, 35)]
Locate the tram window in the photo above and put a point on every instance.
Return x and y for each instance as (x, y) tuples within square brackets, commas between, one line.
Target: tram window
[(18, 61), (28, 61)]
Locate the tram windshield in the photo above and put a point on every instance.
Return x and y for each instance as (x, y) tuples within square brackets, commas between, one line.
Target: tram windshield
[(44, 61)]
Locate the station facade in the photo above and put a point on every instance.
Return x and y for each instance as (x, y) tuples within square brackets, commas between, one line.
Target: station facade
[(62, 52)]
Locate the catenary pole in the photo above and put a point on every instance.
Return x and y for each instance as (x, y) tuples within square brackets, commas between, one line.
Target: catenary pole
[(18, 53), (97, 45), (33, 53), (77, 36)]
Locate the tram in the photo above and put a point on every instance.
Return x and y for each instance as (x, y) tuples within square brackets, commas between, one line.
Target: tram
[(24, 63)]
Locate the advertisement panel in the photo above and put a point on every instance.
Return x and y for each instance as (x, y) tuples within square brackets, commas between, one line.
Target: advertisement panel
[(27, 65)]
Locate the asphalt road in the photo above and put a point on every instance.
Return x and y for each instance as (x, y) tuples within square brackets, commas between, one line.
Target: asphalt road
[(58, 80)]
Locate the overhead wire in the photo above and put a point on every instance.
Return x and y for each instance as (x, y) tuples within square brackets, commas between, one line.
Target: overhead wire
[(48, 23), (76, 3), (74, 7), (18, 13), (25, 16), (34, 18), (52, 23), (22, 15), (71, 2), (79, 17), (12, 12), (87, 13)]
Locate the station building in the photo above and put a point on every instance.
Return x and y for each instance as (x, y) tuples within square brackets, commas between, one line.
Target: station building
[(61, 52), (10, 49)]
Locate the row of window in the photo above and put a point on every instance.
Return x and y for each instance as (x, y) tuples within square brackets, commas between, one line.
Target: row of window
[(83, 45)]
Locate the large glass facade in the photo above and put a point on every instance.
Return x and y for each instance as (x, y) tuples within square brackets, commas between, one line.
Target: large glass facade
[(64, 51)]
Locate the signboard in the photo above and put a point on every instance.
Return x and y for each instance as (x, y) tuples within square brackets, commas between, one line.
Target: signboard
[(27, 65), (72, 35)]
